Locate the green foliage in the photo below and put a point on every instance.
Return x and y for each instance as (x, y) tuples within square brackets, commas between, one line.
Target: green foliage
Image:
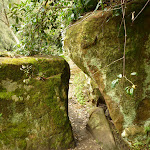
[(137, 146), (26, 69), (1, 114), (39, 24), (129, 89), (114, 82), (147, 129), (36, 26), (133, 73)]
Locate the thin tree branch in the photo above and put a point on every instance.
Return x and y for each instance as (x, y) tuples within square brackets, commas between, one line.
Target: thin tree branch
[(46, 2), (8, 24), (128, 80), (4, 22), (1, 15), (109, 64), (125, 32), (114, 62), (5, 14), (141, 10)]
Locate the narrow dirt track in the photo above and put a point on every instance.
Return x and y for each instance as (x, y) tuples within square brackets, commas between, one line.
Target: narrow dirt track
[(78, 115)]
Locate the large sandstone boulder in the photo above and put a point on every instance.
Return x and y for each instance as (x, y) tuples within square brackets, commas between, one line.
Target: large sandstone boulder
[(95, 46), (34, 104)]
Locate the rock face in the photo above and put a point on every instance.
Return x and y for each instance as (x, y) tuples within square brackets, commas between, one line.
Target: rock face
[(95, 46), (99, 128), (34, 104)]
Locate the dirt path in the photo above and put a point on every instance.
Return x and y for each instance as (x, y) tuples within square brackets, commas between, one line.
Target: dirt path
[(79, 116)]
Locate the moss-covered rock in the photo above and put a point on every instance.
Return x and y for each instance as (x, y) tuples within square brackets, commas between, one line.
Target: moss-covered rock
[(34, 104), (97, 49)]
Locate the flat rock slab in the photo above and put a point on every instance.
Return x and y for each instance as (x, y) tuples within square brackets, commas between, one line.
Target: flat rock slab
[(99, 128), (34, 104)]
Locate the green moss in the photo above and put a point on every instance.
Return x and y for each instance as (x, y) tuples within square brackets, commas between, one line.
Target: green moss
[(39, 64), (14, 133), (22, 144), (38, 108), (60, 141), (18, 61), (7, 72), (48, 92), (6, 95), (49, 89)]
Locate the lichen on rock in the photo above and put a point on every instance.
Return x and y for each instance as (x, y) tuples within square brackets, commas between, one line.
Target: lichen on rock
[(32, 116)]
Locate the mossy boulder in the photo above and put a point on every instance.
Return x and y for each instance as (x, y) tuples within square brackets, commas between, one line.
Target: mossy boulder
[(34, 104), (96, 45)]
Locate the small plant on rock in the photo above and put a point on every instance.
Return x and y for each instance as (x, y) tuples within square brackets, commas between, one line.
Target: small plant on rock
[(129, 89)]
